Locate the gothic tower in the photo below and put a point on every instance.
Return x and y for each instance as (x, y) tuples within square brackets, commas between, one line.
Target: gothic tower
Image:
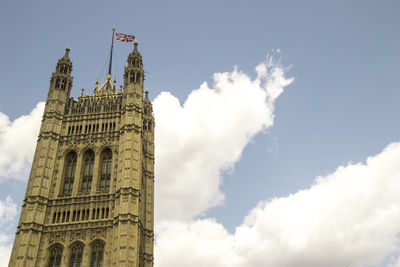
[(89, 199)]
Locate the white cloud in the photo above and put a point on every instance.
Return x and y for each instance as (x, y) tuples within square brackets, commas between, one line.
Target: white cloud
[(17, 143), (206, 135), (8, 211), (348, 217)]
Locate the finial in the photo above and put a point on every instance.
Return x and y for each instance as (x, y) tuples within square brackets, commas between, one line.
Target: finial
[(97, 83), (136, 42), (83, 89), (146, 93), (67, 49), (113, 28), (108, 76)]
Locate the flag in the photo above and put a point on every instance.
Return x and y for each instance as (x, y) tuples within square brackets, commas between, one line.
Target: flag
[(124, 37)]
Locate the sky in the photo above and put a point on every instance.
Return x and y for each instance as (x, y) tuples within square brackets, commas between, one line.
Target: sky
[(277, 134)]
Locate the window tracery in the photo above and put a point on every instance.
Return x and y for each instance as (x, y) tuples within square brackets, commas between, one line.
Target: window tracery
[(55, 256), (88, 162), (75, 259), (105, 170), (96, 257), (70, 167)]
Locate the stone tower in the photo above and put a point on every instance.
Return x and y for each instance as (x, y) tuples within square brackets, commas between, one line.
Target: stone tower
[(89, 199)]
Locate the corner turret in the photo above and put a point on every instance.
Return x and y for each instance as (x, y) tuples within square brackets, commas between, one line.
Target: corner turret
[(61, 79), (134, 73)]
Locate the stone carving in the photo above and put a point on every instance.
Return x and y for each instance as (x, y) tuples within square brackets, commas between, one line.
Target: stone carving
[(98, 233), (78, 234), (57, 236)]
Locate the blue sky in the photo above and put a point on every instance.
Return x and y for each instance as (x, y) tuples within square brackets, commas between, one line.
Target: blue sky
[(341, 108)]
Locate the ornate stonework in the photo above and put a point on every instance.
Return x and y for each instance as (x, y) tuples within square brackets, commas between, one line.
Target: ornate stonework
[(89, 199)]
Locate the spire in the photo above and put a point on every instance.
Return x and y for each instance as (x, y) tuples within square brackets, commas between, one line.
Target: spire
[(61, 79), (135, 43), (134, 55), (134, 73), (65, 59), (67, 49)]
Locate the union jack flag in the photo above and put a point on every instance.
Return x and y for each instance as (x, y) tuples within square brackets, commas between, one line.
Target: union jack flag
[(124, 37)]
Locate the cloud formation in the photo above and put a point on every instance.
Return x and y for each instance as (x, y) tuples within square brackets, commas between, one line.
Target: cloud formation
[(350, 217), (17, 143), (206, 135), (8, 211)]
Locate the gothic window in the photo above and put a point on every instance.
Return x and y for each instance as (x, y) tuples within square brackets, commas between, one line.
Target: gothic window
[(105, 170), (88, 162), (96, 257), (131, 77), (75, 259), (55, 256), (63, 84), (138, 77), (58, 83), (70, 166), (145, 125)]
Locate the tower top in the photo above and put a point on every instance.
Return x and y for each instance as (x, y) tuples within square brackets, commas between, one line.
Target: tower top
[(65, 58), (135, 53)]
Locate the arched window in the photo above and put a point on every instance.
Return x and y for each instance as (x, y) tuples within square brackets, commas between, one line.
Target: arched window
[(75, 259), (96, 257), (70, 165), (58, 83), (55, 256), (144, 124), (131, 77), (105, 170), (88, 162)]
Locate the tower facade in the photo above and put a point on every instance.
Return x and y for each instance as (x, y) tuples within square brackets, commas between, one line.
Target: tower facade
[(89, 199)]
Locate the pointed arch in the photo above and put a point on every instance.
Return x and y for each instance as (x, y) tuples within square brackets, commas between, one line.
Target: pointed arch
[(76, 254), (55, 255), (97, 253), (57, 83), (63, 83), (105, 170), (87, 171), (89, 147), (69, 173)]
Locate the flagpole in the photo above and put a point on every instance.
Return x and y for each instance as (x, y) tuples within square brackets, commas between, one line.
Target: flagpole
[(112, 45)]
